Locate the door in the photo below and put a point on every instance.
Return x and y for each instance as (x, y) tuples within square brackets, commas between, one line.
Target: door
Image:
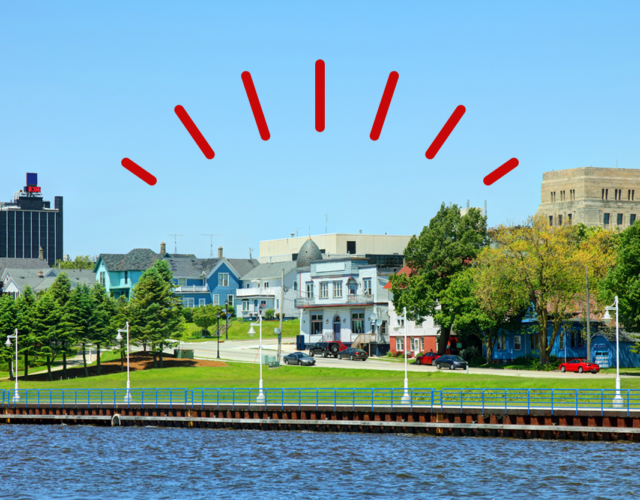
[(336, 328)]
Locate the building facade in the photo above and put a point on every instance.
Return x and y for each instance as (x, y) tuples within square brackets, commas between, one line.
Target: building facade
[(29, 224), (603, 197), (263, 287), (342, 299)]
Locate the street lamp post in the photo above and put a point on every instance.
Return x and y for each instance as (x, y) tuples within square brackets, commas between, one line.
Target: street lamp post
[(218, 316), (617, 400), (260, 398), (127, 397), (16, 394), (406, 399)]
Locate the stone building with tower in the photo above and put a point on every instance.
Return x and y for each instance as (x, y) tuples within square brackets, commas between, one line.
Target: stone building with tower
[(604, 197)]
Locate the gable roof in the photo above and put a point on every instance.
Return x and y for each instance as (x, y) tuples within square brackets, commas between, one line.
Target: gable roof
[(265, 271), (192, 267), (10, 263), (405, 270), (138, 259)]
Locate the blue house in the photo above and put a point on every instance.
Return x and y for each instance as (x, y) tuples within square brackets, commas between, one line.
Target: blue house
[(198, 281), (570, 343)]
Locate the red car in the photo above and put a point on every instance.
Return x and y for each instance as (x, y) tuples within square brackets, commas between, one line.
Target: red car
[(428, 358), (579, 365)]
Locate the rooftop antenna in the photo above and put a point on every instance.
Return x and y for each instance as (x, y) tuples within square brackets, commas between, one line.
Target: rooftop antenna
[(297, 231), (485, 208), (250, 250), (175, 241), (211, 235)]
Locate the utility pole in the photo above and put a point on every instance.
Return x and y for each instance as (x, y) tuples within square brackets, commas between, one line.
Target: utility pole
[(281, 309), (175, 241), (210, 235)]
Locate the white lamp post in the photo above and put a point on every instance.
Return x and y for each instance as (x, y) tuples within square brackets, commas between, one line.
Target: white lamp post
[(127, 397), (617, 400), (260, 398), (16, 394), (406, 399)]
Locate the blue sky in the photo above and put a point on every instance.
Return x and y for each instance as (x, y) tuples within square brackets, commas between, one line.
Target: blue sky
[(85, 84)]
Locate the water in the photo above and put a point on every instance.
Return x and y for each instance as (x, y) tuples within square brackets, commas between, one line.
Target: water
[(172, 463)]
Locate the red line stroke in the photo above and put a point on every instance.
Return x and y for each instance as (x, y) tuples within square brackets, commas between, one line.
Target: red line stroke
[(501, 171), (445, 132), (195, 133), (320, 96), (255, 106), (137, 170), (385, 102)]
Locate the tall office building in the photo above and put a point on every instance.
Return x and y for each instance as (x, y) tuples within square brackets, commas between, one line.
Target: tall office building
[(28, 224)]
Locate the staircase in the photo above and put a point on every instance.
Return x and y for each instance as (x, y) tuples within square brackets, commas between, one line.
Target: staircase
[(363, 338)]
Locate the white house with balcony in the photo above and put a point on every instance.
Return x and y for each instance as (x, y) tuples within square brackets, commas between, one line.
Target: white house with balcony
[(263, 286), (343, 299)]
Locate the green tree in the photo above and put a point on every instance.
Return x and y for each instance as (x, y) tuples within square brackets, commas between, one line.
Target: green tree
[(121, 314), (77, 318), (445, 247), (8, 323), (205, 317), (25, 307), (80, 262), (46, 322), (104, 307)]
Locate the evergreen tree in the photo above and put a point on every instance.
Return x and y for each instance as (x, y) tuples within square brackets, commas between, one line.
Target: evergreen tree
[(8, 323), (25, 306), (46, 323), (121, 314), (104, 308), (60, 291), (77, 318)]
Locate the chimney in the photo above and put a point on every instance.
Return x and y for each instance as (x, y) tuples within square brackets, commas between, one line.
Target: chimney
[(219, 252), (163, 248), (40, 274), (41, 254)]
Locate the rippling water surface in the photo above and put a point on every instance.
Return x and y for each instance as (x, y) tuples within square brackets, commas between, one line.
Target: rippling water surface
[(158, 463)]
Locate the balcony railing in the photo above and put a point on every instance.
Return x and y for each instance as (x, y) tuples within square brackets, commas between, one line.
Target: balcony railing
[(191, 288), (258, 292), (346, 299)]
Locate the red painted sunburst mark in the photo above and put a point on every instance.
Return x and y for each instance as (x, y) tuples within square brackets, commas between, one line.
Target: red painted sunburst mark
[(254, 102), (137, 170), (195, 133), (385, 102), (501, 171)]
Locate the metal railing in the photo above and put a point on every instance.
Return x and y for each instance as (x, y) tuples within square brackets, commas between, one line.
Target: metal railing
[(346, 299), (432, 399)]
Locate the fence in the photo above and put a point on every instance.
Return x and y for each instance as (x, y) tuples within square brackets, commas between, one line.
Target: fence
[(361, 399)]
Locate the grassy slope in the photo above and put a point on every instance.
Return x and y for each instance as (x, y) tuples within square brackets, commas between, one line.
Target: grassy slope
[(238, 330), (246, 375)]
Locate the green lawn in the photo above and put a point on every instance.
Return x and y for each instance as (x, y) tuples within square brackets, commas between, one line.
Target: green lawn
[(246, 375), (238, 330)]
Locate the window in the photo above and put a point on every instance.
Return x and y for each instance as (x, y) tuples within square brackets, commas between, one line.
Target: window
[(216, 299), (230, 300), (416, 344), (295, 285), (399, 347), (616, 194), (337, 289), (351, 247), (277, 303), (102, 278), (126, 277), (533, 341), (357, 322), (562, 195), (310, 289), (572, 194), (223, 279), (201, 302), (324, 290), (263, 304), (366, 283), (501, 343), (265, 284), (245, 305), (517, 342), (422, 341), (553, 197), (316, 324), (559, 220), (248, 285), (606, 219), (551, 220), (182, 281), (188, 302), (619, 219), (605, 194), (632, 219), (570, 218)]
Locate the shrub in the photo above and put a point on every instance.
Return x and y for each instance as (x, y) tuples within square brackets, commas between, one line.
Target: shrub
[(187, 312), (268, 314)]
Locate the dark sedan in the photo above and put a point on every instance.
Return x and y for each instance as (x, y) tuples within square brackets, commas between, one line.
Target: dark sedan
[(353, 353), (299, 358), (450, 361)]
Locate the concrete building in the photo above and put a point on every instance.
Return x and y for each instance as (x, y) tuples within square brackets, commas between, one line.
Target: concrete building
[(604, 197), (335, 245)]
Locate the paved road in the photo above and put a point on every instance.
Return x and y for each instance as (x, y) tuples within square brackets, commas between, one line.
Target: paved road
[(247, 351)]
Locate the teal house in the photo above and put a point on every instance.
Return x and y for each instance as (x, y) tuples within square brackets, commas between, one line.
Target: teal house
[(118, 273)]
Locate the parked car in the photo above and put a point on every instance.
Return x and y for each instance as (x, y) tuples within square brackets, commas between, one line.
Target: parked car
[(353, 353), (450, 361), (325, 349), (428, 358), (579, 365), (298, 358)]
